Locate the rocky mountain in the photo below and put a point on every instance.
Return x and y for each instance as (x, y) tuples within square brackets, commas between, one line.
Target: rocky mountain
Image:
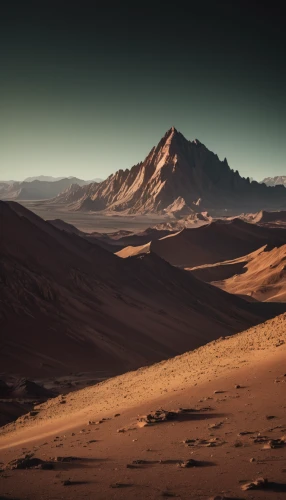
[(177, 176), (69, 305), (279, 180), (37, 189)]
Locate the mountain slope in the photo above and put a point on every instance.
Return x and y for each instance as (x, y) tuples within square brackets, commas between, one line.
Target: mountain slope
[(177, 175), (69, 305), (216, 242), (228, 400), (263, 276)]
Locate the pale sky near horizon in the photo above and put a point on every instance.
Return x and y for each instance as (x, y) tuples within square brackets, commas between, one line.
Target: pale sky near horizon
[(89, 91)]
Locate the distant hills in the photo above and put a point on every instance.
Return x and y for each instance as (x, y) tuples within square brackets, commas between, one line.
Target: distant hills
[(279, 180), (37, 189), (177, 177)]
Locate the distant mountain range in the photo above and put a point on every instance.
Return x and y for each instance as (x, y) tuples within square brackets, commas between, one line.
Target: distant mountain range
[(37, 189), (49, 178), (177, 177), (279, 180)]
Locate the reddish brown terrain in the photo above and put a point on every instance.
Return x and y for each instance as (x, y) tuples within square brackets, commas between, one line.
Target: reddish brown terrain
[(207, 424), (260, 276), (70, 306), (211, 243)]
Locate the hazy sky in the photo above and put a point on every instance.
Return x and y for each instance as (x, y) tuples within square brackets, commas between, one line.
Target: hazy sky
[(85, 91)]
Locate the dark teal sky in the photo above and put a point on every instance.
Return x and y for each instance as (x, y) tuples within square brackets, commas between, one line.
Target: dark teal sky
[(85, 91)]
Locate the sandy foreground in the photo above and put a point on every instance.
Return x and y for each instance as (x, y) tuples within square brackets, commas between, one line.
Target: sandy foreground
[(233, 395)]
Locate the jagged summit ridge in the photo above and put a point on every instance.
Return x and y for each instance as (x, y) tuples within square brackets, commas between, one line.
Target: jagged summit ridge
[(176, 169)]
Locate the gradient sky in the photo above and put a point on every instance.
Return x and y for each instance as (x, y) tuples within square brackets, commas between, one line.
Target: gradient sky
[(85, 91)]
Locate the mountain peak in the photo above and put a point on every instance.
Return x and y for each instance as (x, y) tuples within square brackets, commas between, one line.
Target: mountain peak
[(171, 132)]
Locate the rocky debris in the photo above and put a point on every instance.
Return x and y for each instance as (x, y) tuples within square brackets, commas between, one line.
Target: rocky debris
[(270, 417), (274, 443), (28, 462), (245, 433), (66, 459), (161, 415), (237, 386), (97, 422), (208, 443), (252, 460), (217, 425), (260, 439), (259, 484), (157, 417), (188, 463), (67, 482)]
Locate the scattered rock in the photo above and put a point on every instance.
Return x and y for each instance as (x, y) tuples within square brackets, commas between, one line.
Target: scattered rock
[(252, 460), (259, 484), (188, 463), (26, 462), (157, 417), (67, 482), (273, 444)]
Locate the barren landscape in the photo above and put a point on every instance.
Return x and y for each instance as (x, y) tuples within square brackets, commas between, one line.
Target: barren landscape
[(142, 251)]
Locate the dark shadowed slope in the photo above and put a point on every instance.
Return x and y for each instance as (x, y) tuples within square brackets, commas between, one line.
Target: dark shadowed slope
[(68, 305)]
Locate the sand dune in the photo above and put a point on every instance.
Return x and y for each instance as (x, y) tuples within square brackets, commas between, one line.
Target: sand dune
[(259, 275), (264, 277), (227, 429)]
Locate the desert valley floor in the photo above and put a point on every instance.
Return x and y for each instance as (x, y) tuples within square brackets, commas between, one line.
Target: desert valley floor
[(90, 221)]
